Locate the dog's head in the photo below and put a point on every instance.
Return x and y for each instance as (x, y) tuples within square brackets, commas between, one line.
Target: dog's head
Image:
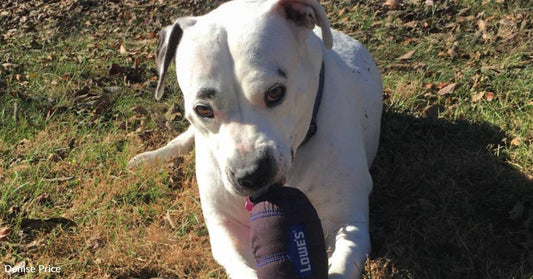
[(249, 74)]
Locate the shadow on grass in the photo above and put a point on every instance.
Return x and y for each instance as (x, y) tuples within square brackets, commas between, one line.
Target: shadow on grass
[(442, 200)]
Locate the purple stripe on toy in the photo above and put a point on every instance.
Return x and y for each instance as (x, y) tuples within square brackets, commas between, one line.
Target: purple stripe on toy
[(272, 259), (267, 214)]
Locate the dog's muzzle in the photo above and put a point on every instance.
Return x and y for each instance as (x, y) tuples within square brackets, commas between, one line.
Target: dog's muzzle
[(254, 173)]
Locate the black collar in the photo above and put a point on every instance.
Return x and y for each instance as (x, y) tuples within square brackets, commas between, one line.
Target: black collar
[(312, 127)]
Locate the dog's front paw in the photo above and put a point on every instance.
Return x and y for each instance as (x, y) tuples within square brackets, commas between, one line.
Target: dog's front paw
[(143, 158)]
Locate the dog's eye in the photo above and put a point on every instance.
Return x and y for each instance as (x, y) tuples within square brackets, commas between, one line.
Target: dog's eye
[(274, 95), (204, 111)]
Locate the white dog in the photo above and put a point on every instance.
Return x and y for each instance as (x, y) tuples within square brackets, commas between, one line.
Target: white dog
[(250, 72)]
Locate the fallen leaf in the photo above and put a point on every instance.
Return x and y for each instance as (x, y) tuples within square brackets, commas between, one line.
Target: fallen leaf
[(452, 52), (447, 89), (487, 37), (8, 66), (81, 92), (134, 75), (510, 37), (142, 135), (429, 3), (112, 89), (104, 103), (5, 232), (482, 26), (442, 85), (411, 24), (122, 50), (116, 69), (392, 4), (407, 56), (140, 110), (516, 141), (489, 96), (478, 96), (506, 27), (429, 86)]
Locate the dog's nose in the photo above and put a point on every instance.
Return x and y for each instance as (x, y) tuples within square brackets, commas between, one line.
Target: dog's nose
[(257, 174)]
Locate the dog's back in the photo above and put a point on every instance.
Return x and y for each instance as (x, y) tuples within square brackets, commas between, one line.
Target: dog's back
[(369, 86)]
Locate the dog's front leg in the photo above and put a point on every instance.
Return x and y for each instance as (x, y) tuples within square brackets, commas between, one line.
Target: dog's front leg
[(352, 245), (350, 242), (177, 146), (230, 244)]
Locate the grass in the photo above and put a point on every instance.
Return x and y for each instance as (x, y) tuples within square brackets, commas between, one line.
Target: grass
[(453, 179)]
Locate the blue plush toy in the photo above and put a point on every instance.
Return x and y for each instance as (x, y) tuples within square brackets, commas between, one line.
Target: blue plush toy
[(286, 233)]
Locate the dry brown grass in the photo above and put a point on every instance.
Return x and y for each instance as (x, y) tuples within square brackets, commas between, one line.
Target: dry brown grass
[(453, 184)]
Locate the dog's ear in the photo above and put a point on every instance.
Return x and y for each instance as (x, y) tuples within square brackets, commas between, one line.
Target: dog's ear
[(306, 14), (169, 39)]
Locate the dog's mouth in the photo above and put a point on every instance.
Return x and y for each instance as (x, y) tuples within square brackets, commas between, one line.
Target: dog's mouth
[(247, 190)]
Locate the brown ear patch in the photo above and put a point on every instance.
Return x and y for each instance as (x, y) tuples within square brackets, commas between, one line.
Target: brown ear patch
[(305, 14), (300, 14), (166, 49), (169, 40)]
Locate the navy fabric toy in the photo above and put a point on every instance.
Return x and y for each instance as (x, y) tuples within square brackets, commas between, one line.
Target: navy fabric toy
[(286, 234)]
